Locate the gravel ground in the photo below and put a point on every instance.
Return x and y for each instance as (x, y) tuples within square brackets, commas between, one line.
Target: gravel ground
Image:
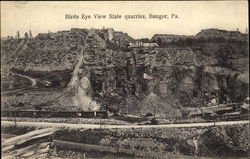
[(98, 126)]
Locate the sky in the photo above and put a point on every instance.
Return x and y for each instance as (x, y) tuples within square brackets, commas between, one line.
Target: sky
[(41, 17)]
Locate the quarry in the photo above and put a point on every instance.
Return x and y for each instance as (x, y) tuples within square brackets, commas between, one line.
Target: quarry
[(101, 89)]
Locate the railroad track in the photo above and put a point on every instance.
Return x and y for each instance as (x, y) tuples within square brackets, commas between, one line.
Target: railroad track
[(54, 114), (104, 114)]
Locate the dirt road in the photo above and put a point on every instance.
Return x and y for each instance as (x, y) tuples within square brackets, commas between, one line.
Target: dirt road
[(32, 80), (96, 126)]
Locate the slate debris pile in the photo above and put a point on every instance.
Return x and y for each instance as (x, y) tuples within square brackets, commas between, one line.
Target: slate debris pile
[(35, 144), (118, 72)]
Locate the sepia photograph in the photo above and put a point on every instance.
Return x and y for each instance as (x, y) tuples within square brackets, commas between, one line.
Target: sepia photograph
[(124, 80)]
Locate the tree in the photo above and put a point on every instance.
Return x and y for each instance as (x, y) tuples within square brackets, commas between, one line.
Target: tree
[(26, 36), (30, 34), (18, 35)]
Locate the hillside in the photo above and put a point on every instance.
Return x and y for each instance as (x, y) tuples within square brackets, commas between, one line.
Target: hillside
[(223, 34), (111, 76)]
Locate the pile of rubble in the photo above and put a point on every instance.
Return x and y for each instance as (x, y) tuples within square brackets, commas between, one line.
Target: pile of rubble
[(35, 144)]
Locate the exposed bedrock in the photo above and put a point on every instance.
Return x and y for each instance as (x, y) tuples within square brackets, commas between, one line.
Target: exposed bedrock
[(109, 75)]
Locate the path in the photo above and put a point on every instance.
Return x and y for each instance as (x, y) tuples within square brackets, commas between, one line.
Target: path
[(33, 83), (33, 80)]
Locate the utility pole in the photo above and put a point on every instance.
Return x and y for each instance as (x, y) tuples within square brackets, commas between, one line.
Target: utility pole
[(15, 111), (154, 110), (128, 103), (15, 115), (204, 86)]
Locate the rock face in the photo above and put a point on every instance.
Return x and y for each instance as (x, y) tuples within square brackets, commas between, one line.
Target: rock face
[(81, 88), (106, 74)]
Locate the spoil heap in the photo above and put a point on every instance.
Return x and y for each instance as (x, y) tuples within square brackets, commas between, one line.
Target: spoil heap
[(119, 79), (35, 144)]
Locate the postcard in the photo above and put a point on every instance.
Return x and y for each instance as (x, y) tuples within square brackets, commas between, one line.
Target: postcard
[(124, 79)]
